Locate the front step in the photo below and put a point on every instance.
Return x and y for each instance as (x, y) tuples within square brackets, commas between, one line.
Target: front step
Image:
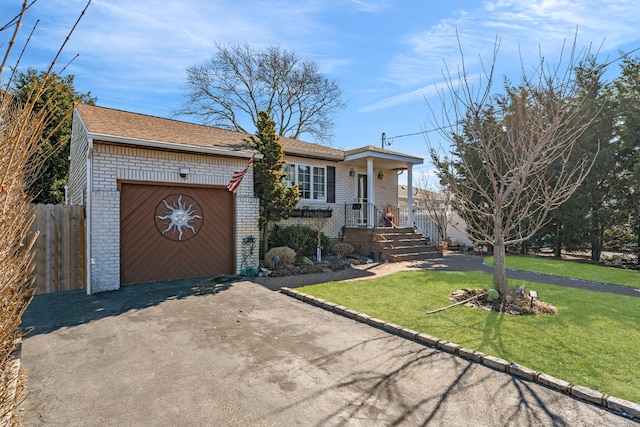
[(403, 244), (408, 249), (413, 256)]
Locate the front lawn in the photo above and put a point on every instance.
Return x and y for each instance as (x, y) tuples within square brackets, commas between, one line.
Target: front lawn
[(593, 340), (576, 270)]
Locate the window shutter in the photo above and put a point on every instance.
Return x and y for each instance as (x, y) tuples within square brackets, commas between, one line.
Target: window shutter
[(331, 184)]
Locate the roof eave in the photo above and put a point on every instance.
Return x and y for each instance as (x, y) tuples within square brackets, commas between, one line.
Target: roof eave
[(386, 156), (313, 154), (163, 145)]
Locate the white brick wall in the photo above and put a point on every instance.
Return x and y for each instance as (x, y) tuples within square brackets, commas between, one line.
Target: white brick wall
[(112, 163), (386, 191), (78, 166), (105, 241)]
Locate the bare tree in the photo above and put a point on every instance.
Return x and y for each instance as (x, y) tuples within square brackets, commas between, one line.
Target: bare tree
[(24, 129), (436, 199), (238, 82), (512, 159)]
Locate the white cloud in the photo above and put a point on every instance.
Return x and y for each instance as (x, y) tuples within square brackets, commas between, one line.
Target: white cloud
[(525, 29), (375, 6)]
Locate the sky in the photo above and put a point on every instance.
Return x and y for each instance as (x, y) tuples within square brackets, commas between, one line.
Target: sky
[(388, 56)]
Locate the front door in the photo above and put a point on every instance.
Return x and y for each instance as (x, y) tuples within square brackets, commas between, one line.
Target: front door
[(363, 198)]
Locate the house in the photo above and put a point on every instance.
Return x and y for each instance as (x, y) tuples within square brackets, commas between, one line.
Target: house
[(158, 207)]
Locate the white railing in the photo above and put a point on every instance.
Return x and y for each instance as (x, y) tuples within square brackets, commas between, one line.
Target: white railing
[(357, 215)]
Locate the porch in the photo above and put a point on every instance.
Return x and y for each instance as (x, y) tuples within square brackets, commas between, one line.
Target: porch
[(391, 233)]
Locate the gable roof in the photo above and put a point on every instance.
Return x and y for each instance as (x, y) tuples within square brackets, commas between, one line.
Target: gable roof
[(122, 127), (110, 125)]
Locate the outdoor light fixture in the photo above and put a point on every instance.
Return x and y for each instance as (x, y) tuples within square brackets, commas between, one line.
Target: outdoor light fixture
[(380, 175), (533, 295), (184, 172), (352, 172)]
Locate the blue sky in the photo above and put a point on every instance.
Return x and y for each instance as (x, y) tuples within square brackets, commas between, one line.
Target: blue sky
[(387, 55)]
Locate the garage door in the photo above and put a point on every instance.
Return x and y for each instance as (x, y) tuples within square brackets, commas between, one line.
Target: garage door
[(170, 232)]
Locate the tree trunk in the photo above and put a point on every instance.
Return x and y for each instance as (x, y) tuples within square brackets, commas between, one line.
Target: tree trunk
[(596, 238), (499, 261), (596, 246), (264, 237), (558, 248)]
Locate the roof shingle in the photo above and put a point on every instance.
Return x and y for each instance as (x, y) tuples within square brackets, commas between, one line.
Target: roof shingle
[(123, 124)]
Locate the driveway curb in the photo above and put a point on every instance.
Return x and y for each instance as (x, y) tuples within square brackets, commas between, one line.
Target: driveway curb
[(622, 407)]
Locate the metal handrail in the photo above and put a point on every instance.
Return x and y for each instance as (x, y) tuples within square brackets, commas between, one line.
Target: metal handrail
[(356, 215)]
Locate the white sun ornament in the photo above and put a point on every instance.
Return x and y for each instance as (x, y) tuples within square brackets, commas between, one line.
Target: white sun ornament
[(179, 217)]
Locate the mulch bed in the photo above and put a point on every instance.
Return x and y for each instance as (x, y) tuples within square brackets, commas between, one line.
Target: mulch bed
[(512, 304), (329, 263)]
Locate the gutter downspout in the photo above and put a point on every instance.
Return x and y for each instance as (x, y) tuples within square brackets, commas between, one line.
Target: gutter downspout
[(88, 258)]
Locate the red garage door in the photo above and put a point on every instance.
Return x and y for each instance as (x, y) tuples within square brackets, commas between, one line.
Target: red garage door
[(172, 232)]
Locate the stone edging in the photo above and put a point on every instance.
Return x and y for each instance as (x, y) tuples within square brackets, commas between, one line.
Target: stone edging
[(620, 406)]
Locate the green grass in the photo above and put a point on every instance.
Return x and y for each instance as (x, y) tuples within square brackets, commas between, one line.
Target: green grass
[(593, 340), (576, 270)]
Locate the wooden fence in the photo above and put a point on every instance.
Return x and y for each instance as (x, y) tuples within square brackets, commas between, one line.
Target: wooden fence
[(60, 248)]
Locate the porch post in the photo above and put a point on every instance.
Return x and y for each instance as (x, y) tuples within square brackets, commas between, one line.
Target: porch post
[(370, 193), (410, 193)]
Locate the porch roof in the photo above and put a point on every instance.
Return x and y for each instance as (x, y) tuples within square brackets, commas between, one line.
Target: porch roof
[(383, 159)]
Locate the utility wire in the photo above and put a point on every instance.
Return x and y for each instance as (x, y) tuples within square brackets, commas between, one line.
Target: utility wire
[(389, 140)]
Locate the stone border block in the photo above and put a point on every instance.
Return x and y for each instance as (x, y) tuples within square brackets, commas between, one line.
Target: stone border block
[(496, 363), (364, 318), (351, 314), (320, 302), (339, 309), (448, 347), (329, 305), (625, 407), (427, 339), (554, 383), (408, 333), (376, 323), (467, 353), (522, 372), (393, 328), (588, 394)]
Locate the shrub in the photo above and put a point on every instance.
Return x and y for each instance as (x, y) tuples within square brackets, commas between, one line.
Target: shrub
[(342, 249), (301, 238), (285, 255)]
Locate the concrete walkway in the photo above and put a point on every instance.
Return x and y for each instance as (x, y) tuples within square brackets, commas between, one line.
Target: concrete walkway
[(204, 353)]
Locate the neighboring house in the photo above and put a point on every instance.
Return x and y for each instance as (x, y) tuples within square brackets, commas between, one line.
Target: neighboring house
[(456, 227), (158, 207)]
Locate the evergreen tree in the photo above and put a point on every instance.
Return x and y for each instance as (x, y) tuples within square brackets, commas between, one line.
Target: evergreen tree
[(277, 199), (58, 99), (580, 222), (627, 88)]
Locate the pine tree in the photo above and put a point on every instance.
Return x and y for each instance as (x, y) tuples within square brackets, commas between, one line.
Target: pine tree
[(53, 156), (277, 199), (628, 133)]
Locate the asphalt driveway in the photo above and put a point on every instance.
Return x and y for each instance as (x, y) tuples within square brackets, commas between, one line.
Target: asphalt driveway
[(238, 354)]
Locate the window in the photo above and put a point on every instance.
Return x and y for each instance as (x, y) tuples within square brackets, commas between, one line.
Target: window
[(290, 174), (318, 183), (310, 180), (304, 181)]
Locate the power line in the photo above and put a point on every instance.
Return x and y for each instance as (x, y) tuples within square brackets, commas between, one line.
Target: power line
[(389, 141)]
